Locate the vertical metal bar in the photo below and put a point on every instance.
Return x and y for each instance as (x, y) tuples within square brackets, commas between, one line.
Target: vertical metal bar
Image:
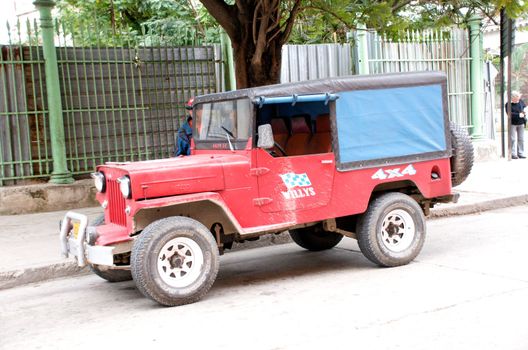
[(5, 68), (111, 80), (26, 125), (199, 63), (125, 59), (60, 174), (210, 69), (97, 113), (103, 110), (150, 76), (67, 86), (225, 46), (142, 107), (501, 75), (187, 74), (177, 100), (135, 60), (44, 104), (154, 81), (90, 163), (70, 122), (83, 161), (164, 141), (362, 49), (17, 153), (117, 67), (476, 77)]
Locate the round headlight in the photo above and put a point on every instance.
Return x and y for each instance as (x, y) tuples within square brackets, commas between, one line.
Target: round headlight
[(99, 180), (124, 186)]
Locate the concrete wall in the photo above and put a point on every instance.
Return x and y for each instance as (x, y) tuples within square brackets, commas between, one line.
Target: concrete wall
[(46, 197)]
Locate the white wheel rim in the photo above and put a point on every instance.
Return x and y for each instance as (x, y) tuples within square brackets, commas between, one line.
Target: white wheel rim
[(397, 230), (180, 262)]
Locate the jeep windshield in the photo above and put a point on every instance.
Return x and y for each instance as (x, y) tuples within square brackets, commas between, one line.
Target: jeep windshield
[(223, 125)]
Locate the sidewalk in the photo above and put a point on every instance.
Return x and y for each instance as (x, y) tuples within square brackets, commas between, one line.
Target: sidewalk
[(30, 249)]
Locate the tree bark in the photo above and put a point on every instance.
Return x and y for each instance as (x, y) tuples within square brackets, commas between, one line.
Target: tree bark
[(258, 29)]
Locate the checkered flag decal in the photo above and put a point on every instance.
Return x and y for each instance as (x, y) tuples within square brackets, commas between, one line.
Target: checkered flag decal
[(292, 180)]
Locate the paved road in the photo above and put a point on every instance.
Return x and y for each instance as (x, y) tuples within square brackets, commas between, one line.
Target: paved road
[(467, 290)]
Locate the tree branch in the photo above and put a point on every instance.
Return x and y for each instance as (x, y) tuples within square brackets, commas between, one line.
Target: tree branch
[(225, 15), (290, 22), (261, 43), (397, 5), (255, 17), (200, 27), (331, 13)]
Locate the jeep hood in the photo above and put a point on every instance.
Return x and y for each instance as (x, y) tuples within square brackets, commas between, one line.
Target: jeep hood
[(174, 176)]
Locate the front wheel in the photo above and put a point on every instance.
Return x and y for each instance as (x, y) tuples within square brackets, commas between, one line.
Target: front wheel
[(174, 261), (392, 230)]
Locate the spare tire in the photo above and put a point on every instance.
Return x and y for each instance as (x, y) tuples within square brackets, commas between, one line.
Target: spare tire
[(462, 154)]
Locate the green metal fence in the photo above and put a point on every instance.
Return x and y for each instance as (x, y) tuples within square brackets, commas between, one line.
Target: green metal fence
[(24, 136), (442, 50), (122, 97)]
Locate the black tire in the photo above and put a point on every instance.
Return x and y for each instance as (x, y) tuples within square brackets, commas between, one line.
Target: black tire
[(462, 154), (391, 247), (161, 277), (315, 238), (108, 274), (111, 275)]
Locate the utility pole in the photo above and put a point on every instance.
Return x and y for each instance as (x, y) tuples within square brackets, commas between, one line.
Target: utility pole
[(477, 88)]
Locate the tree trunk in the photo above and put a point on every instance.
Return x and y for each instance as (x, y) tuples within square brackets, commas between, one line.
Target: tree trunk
[(258, 29), (252, 70)]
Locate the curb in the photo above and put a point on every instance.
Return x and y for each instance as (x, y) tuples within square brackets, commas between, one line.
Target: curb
[(16, 278), (474, 208), (23, 276)]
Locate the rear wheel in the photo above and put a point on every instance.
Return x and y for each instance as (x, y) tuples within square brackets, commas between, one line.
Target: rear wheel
[(175, 261), (315, 238), (392, 230), (109, 274)]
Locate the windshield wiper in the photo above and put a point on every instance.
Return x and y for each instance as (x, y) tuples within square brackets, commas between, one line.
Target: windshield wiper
[(228, 133)]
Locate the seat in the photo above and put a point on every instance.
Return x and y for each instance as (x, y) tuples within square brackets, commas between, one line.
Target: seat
[(300, 136), (321, 141)]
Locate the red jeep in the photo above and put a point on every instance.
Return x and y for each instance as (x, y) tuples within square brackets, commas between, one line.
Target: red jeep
[(363, 157)]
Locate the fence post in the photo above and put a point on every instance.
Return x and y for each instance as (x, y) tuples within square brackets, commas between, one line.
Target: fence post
[(229, 65), (362, 49), (476, 81), (60, 173)]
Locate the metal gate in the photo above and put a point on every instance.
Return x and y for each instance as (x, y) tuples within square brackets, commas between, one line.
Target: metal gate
[(443, 50)]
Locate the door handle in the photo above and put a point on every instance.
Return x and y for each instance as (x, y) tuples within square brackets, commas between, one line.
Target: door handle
[(327, 161)]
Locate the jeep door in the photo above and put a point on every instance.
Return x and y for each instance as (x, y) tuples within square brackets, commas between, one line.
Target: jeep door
[(302, 178)]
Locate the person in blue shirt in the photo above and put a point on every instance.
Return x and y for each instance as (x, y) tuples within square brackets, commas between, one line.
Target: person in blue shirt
[(183, 140)]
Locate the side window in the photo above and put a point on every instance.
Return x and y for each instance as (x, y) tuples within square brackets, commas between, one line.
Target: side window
[(300, 129)]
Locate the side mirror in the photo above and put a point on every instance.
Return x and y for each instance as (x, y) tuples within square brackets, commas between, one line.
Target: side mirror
[(265, 137)]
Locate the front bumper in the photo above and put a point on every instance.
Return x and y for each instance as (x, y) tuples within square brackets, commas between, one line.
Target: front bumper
[(79, 247)]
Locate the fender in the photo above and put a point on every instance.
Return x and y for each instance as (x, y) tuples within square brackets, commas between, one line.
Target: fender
[(212, 197), (164, 202)]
